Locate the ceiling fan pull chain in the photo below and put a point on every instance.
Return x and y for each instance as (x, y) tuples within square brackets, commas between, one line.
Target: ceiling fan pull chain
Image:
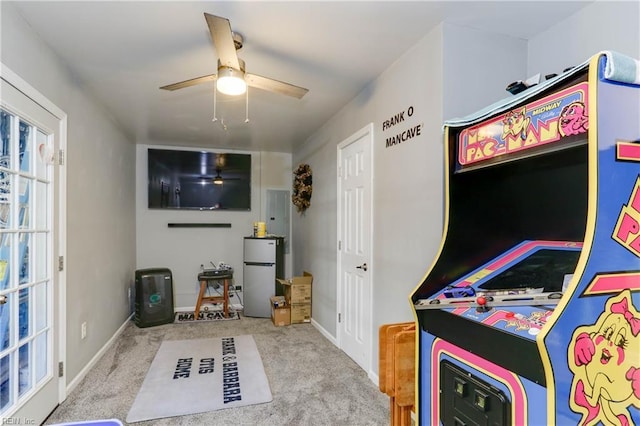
[(215, 102), (246, 119)]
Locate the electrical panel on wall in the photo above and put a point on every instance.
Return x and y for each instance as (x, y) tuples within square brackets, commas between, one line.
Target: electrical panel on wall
[(277, 217)]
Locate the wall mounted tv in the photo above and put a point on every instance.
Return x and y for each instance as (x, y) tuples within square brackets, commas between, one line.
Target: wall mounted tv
[(199, 180)]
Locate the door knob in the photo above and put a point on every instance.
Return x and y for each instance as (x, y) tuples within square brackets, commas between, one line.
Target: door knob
[(363, 267), (3, 299)]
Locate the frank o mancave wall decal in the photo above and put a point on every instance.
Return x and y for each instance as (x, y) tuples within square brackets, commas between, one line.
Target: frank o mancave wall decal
[(302, 189)]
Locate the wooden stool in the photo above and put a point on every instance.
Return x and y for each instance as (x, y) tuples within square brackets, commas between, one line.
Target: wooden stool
[(204, 282)]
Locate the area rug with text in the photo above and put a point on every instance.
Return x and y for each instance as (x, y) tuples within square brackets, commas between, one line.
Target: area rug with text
[(196, 376)]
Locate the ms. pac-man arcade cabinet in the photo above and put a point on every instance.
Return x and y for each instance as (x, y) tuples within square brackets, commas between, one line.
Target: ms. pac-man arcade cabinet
[(530, 313)]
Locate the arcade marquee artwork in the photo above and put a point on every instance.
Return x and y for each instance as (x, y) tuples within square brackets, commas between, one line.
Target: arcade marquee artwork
[(539, 123), (536, 318)]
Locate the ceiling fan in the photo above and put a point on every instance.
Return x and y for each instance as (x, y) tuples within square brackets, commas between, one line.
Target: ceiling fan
[(221, 163), (218, 179), (232, 78)]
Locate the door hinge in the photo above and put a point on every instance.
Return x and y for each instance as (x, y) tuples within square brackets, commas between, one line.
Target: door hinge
[(340, 245), (60, 369), (61, 157), (339, 318), (60, 263)]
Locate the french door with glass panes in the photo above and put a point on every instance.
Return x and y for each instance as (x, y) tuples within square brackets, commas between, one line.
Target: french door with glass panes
[(29, 382)]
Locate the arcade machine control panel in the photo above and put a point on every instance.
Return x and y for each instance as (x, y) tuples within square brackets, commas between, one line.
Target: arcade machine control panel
[(514, 292)]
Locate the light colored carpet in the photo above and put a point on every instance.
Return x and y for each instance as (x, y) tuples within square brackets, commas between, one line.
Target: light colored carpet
[(311, 380), (200, 375)]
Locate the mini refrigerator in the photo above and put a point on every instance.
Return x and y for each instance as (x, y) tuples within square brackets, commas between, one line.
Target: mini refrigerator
[(263, 263)]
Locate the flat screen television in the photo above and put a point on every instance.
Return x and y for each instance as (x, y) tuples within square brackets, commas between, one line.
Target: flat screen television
[(199, 180)]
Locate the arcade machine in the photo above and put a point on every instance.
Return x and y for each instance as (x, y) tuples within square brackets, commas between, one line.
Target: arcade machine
[(530, 313)]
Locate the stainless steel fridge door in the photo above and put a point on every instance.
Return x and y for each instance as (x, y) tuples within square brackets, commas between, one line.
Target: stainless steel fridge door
[(259, 286), (260, 250)]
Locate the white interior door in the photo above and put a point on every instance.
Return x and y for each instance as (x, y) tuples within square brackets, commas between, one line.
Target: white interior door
[(354, 254), (29, 330)]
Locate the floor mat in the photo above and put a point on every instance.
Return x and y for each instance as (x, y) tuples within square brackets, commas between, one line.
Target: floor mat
[(187, 316), (195, 376)]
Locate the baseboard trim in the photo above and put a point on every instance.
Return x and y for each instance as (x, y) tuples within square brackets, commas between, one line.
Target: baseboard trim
[(374, 378), (184, 308), (324, 332), (371, 374), (82, 374)]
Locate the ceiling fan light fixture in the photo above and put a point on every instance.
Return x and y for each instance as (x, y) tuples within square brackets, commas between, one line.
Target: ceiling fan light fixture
[(227, 43), (230, 80), (217, 180)]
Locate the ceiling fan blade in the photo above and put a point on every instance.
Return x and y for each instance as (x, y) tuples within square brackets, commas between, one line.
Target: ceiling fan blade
[(220, 30), (191, 82), (276, 86)]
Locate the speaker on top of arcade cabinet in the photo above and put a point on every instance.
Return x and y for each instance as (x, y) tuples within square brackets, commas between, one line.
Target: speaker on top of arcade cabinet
[(154, 297)]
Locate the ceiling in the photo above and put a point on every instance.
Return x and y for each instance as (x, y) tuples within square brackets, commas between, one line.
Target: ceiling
[(124, 51)]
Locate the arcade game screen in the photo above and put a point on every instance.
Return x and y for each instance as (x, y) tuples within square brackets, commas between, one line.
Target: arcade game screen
[(545, 268)]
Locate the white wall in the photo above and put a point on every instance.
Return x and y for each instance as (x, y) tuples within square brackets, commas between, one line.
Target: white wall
[(100, 164), (432, 77), (183, 250), (603, 25), (407, 183), (478, 67)]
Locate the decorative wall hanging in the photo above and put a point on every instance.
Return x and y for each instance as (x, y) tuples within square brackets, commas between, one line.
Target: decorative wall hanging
[(302, 187)]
